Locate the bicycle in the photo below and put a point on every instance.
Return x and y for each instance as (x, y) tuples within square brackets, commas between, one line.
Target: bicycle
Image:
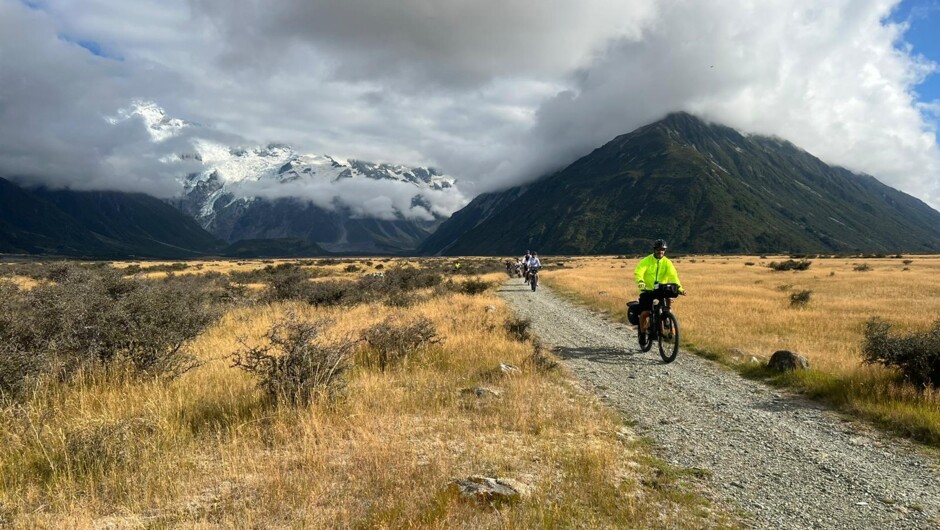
[(663, 326), (534, 278)]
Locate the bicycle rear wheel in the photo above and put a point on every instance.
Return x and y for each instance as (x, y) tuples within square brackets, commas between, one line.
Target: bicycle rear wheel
[(669, 338)]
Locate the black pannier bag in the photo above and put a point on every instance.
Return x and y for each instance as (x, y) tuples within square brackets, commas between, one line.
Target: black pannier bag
[(633, 312), (669, 290)]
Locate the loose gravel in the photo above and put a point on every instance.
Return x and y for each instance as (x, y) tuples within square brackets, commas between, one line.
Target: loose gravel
[(781, 460)]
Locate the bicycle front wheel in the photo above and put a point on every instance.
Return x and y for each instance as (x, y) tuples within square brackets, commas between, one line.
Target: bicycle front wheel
[(669, 338)]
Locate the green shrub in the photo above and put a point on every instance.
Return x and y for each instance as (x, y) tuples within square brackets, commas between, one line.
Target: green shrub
[(98, 317), (916, 355), (790, 265), (392, 341), (293, 367), (474, 286), (800, 298)]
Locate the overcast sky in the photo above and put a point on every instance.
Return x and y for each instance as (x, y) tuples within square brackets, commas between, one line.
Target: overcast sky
[(493, 92)]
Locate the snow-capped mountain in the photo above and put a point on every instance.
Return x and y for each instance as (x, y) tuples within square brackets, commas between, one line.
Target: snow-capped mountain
[(273, 191)]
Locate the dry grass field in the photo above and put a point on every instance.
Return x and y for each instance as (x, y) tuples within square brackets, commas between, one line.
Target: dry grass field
[(738, 308), (208, 449)]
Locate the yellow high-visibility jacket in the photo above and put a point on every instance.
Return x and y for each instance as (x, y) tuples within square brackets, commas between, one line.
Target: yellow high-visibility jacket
[(652, 270)]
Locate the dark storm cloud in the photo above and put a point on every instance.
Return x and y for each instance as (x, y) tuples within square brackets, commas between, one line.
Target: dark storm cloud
[(492, 92)]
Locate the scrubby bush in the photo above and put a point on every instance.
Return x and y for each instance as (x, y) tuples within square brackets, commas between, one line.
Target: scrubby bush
[(916, 354), (100, 318), (351, 268), (518, 328), (294, 367), (100, 446), (790, 265), (392, 340), (800, 298), (474, 286), (862, 267)]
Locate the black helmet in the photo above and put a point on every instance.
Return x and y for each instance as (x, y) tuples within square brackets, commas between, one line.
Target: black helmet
[(659, 243)]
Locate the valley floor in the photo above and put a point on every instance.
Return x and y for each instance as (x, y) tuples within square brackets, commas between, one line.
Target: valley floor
[(783, 461)]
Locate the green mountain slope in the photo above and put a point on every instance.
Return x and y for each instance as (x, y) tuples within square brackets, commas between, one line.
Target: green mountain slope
[(705, 188), (96, 224)]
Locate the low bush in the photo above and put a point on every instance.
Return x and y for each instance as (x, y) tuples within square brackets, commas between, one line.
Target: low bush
[(800, 298), (518, 328), (293, 367), (98, 317), (916, 355), (862, 267), (473, 286), (790, 265), (392, 341), (97, 447)]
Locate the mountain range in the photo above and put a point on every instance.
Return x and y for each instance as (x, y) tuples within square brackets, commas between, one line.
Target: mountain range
[(96, 224), (705, 188), (273, 191)]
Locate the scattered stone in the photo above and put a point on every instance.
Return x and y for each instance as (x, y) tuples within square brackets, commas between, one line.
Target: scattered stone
[(786, 361), (491, 491), (490, 308), (481, 392), (754, 360), (508, 369)]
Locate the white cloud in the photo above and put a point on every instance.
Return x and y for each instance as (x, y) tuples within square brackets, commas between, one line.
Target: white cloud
[(490, 91)]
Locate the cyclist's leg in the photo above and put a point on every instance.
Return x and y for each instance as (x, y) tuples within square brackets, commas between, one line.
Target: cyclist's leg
[(646, 305)]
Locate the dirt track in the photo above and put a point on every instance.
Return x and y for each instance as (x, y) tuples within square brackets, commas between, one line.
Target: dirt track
[(784, 461)]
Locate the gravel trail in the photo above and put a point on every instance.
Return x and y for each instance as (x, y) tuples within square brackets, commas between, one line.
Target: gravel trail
[(783, 461)]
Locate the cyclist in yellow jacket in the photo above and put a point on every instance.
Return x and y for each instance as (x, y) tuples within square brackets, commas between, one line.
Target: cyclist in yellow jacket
[(652, 271)]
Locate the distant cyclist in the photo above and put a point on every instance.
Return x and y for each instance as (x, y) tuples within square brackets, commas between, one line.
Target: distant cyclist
[(652, 271), (525, 266)]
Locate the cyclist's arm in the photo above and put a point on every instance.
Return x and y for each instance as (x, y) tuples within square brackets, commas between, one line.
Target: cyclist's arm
[(639, 272)]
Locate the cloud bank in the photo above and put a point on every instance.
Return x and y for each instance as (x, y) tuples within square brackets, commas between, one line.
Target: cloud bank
[(493, 92)]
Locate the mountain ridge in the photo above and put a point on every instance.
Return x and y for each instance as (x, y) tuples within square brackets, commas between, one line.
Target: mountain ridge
[(706, 188)]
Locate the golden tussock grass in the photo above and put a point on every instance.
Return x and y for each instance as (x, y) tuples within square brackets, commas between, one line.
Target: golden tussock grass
[(208, 450), (735, 311)]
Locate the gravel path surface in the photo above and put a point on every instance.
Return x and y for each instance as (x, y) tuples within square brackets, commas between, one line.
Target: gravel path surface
[(783, 461)]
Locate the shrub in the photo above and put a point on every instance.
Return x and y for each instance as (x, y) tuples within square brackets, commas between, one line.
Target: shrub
[(392, 341), (518, 328), (916, 355), (800, 298), (748, 263), (409, 278), (400, 299), (539, 361), (474, 286), (351, 268), (907, 261), (862, 267), (293, 367), (100, 446), (99, 317), (790, 265)]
